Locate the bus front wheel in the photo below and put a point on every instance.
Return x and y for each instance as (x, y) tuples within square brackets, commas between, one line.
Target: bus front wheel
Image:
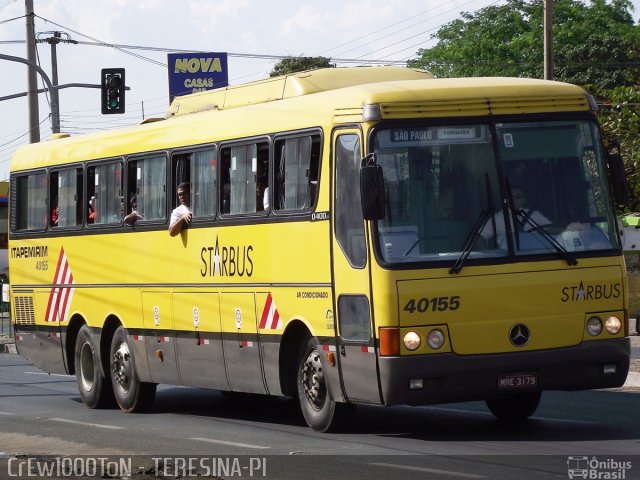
[(319, 410), (514, 407), (95, 390), (131, 394)]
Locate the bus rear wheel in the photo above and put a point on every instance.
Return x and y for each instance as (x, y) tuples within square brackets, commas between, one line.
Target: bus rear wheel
[(514, 407), (131, 394), (319, 410), (95, 390)]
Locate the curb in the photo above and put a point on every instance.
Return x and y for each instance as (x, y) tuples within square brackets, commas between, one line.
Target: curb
[(633, 380)]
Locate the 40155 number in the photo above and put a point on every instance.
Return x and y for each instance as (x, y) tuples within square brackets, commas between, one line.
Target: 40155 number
[(435, 304)]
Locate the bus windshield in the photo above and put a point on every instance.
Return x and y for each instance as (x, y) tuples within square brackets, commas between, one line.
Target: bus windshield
[(449, 192)]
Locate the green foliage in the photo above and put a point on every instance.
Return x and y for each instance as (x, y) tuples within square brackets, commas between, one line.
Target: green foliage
[(299, 64), (595, 45), (620, 119)]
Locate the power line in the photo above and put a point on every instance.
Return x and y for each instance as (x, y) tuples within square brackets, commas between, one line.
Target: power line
[(258, 56), (102, 43), (445, 12), (11, 19)]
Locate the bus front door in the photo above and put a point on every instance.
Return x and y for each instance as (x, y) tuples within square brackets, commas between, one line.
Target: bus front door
[(355, 344)]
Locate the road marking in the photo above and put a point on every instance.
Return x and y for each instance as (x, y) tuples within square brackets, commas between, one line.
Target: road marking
[(233, 444), (48, 374), (86, 424), (487, 414), (7, 413), (429, 470)]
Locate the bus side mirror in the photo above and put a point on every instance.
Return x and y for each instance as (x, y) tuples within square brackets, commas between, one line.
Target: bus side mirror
[(372, 195), (617, 175)]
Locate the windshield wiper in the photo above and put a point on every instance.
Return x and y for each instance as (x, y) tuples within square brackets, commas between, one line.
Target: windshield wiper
[(475, 232), (563, 252)]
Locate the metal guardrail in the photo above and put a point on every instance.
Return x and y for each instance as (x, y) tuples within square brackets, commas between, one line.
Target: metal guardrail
[(6, 327)]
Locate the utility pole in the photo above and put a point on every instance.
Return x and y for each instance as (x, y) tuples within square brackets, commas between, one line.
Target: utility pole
[(55, 103), (53, 40), (32, 84), (548, 40)]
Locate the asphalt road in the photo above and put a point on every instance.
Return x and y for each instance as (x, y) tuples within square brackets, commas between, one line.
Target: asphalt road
[(41, 415)]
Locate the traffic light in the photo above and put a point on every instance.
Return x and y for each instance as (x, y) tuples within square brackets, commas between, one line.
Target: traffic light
[(113, 87)]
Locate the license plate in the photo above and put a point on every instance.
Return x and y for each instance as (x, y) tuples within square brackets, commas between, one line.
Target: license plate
[(515, 381)]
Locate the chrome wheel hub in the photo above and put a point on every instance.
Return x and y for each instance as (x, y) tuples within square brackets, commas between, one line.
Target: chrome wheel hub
[(121, 367), (313, 380)]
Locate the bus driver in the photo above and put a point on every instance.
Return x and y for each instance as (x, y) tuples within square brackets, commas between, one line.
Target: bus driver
[(523, 216)]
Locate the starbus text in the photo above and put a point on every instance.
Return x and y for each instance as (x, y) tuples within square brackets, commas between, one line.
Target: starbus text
[(226, 261)]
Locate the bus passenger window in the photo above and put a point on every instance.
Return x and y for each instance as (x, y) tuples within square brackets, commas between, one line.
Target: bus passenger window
[(147, 179), (203, 183), (66, 198), (240, 172), (107, 189), (30, 192), (296, 172)]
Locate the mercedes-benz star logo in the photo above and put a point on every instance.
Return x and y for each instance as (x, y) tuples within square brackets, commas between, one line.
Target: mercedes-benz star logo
[(519, 335)]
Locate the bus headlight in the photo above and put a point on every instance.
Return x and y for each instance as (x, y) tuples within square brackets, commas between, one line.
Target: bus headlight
[(411, 341), (594, 326), (435, 339), (613, 325)]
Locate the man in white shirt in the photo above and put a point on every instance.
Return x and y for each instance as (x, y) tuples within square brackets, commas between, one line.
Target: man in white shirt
[(181, 215), (523, 217)]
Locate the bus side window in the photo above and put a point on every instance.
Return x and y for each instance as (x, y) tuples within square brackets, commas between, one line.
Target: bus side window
[(296, 172), (240, 177), (204, 182), (108, 205), (66, 198), (147, 182), (54, 204), (181, 171), (29, 209)]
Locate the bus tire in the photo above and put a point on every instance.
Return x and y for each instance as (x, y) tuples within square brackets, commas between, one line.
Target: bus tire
[(319, 410), (131, 394), (95, 390), (514, 407)]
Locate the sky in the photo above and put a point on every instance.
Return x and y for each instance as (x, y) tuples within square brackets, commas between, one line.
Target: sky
[(351, 32)]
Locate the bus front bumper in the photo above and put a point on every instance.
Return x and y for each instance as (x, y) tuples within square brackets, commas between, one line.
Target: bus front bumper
[(447, 377)]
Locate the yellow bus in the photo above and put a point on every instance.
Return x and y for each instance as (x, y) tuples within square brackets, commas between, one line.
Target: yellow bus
[(358, 236)]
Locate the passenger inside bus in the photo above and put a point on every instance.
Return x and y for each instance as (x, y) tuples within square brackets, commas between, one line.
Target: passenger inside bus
[(527, 220), (181, 215), (134, 216), (262, 187), (54, 212), (226, 198), (92, 210)]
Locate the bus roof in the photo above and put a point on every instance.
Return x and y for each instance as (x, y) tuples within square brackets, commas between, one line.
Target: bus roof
[(309, 99), (292, 85)]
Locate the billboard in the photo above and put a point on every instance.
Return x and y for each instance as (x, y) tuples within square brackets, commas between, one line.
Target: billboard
[(195, 72)]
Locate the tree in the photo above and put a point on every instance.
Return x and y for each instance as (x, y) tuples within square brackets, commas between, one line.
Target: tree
[(299, 64), (595, 45), (620, 119)]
